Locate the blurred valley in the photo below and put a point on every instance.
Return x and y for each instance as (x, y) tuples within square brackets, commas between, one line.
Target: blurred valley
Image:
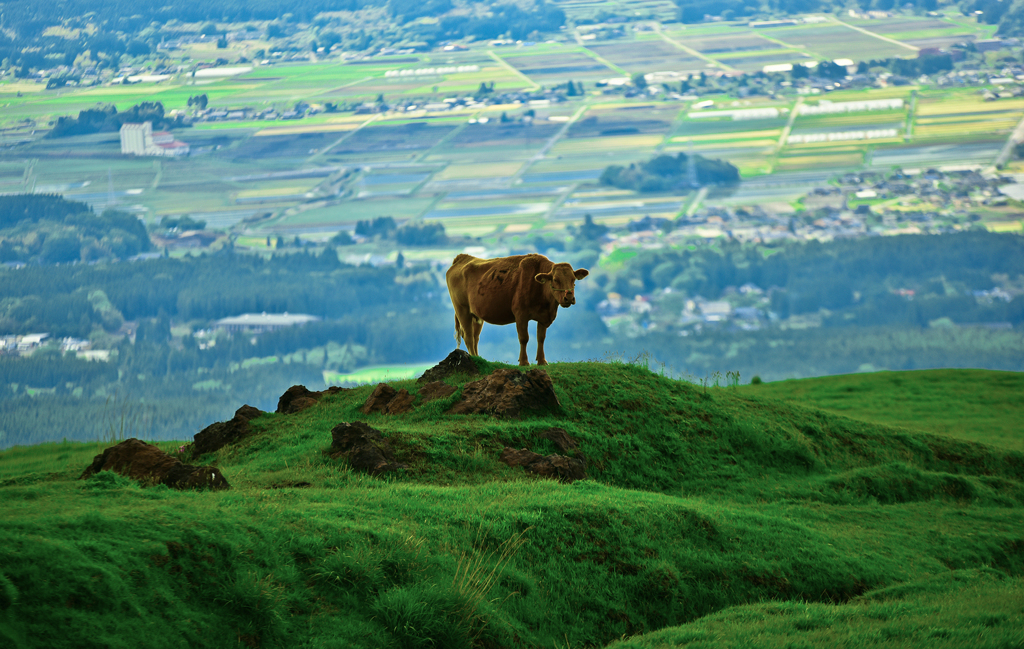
[(201, 208)]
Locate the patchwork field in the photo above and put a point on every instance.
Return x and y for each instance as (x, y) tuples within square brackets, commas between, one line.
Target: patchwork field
[(919, 31), (956, 116), (649, 55), (831, 41), (561, 66), (485, 168)]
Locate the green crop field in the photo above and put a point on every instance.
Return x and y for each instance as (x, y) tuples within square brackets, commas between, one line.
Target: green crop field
[(710, 517), (375, 374)]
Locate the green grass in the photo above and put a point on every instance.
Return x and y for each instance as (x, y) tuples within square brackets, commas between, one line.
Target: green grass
[(962, 608), (974, 405), (715, 516), (376, 374)]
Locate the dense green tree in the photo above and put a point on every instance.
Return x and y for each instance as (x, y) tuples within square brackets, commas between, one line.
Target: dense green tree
[(666, 172)]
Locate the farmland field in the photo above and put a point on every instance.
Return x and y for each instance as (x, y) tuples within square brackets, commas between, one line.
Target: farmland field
[(375, 374), (951, 116), (741, 42), (919, 32), (648, 56), (483, 167), (836, 40), (558, 67)]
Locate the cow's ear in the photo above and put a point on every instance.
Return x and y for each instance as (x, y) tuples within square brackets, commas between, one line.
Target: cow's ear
[(580, 273), (543, 278)]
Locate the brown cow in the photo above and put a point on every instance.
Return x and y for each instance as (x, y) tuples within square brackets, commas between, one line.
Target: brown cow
[(506, 290)]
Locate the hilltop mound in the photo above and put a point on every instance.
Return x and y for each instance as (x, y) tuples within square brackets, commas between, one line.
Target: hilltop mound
[(636, 429), (697, 501)]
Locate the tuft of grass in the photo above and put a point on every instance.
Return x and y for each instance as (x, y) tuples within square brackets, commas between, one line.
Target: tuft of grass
[(8, 593)]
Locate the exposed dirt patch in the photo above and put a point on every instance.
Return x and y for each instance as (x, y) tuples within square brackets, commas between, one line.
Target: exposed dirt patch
[(458, 362), (146, 463), (559, 467), (388, 401), (508, 394), (364, 447), (436, 390), (220, 434), (297, 398)]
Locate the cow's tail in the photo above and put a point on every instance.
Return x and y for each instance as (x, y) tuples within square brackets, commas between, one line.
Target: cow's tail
[(458, 334)]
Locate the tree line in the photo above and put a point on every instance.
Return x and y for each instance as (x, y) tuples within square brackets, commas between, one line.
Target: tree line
[(106, 119)]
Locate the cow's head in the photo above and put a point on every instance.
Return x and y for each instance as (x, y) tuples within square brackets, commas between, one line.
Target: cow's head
[(561, 280)]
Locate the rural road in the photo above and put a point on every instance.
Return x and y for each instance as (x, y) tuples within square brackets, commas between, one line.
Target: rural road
[(547, 145), (878, 36), (692, 52), (1016, 137)]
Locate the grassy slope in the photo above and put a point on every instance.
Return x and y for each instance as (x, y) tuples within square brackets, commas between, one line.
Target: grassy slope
[(975, 405), (785, 519)]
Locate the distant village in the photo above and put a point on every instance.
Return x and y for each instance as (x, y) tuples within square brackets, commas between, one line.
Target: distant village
[(1002, 81), (870, 203), (908, 201)]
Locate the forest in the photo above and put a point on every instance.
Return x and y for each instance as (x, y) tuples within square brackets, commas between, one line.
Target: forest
[(128, 27), (107, 119), (48, 229)]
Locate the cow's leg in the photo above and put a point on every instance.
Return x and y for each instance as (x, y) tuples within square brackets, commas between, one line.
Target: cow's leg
[(542, 331), (475, 326), (523, 329), (464, 325)]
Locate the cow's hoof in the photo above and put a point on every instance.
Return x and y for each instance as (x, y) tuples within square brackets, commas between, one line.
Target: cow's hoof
[(542, 362)]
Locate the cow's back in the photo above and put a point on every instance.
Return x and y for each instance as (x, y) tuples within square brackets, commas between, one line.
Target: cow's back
[(490, 285)]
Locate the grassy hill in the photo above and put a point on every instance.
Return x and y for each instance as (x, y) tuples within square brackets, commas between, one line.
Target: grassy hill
[(975, 405), (711, 517)]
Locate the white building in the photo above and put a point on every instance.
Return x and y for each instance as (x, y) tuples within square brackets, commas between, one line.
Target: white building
[(139, 139), (260, 322)]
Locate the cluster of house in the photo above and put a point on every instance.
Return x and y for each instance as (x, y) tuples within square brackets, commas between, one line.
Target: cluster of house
[(909, 201), (1006, 84), (247, 323), (246, 113), (746, 307), (27, 344)]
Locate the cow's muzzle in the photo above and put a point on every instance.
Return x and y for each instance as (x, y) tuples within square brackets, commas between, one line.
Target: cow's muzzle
[(566, 298)]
